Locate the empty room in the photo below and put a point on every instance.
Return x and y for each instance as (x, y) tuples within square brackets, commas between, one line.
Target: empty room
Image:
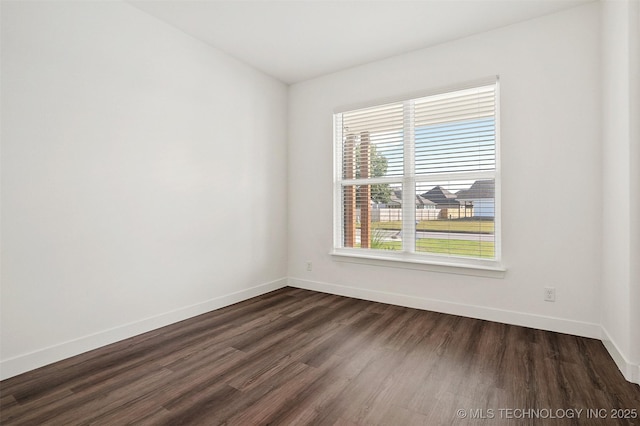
[(320, 212)]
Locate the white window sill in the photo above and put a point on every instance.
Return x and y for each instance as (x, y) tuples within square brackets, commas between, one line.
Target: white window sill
[(481, 268)]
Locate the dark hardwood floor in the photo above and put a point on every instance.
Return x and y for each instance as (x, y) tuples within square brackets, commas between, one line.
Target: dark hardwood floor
[(301, 357)]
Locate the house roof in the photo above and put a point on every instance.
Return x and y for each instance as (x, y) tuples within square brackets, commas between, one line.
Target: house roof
[(396, 198), (479, 189), (441, 197), (420, 200)]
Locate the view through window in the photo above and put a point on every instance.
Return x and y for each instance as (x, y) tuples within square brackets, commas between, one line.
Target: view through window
[(419, 176)]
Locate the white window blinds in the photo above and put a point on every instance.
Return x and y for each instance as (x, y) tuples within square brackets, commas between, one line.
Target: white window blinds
[(455, 132), (373, 143)]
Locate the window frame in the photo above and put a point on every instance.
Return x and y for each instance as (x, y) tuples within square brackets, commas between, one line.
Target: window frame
[(402, 258)]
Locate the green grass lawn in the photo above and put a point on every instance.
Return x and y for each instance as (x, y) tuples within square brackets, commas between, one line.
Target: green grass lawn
[(466, 248), (484, 249), (471, 226)]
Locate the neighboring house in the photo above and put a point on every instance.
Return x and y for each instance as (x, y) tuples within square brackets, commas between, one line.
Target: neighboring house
[(395, 202), (481, 195), (426, 209), (446, 202), (424, 203), (477, 201), (391, 210)]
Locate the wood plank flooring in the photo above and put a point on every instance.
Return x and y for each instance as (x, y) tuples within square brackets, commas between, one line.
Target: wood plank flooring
[(297, 357)]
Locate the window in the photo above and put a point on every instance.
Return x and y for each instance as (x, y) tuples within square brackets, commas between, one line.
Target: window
[(416, 179)]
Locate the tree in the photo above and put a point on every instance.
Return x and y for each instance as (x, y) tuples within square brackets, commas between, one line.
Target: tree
[(380, 193)]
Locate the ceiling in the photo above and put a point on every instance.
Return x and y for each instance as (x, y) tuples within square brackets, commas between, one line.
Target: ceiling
[(298, 40)]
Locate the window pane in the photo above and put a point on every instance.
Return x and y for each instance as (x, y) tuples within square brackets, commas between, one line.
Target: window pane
[(441, 146), (372, 216), (456, 218), (372, 142)]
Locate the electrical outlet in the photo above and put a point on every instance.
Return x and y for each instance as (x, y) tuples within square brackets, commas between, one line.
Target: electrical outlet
[(309, 266), (549, 294)]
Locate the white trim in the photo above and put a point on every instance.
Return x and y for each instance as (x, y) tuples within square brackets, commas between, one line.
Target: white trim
[(30, 361), (497, 181), (408, 180), (421, 262), (337, 176), (630, 371), (559, 325), (39, 358), (371, 180)]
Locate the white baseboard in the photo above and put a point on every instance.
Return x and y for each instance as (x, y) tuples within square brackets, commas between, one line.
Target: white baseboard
[(30, 361), (630, 371), (540, 322)]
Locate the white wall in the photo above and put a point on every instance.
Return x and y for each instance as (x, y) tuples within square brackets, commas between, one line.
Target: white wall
[(143, 178), (549, 72), (621, 167), (634, 114)]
